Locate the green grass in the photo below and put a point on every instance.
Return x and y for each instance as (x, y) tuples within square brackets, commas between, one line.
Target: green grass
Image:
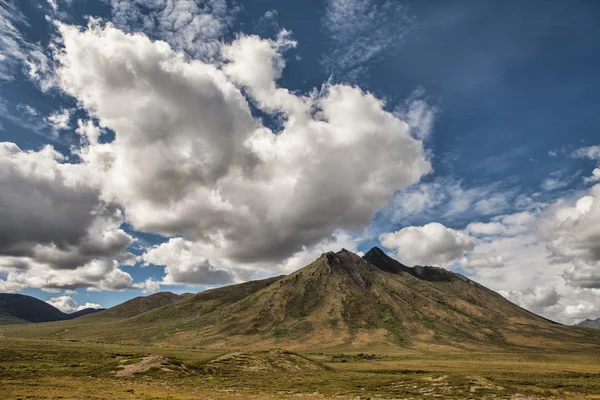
[(73, 370)]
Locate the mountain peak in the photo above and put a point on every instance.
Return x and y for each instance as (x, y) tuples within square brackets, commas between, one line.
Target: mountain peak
[(378, 258)]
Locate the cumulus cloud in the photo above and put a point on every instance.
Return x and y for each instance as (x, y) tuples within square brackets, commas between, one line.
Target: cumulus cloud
[(51, 219), (429, 244), (95, 275), (186, 263), (573, 231), (582, 276), (149, 286), (591, 152), (189, 158), (68, 305), (594, 178), (492, 261), (193, 26), (59, 120), (536, 299), (361, 32)]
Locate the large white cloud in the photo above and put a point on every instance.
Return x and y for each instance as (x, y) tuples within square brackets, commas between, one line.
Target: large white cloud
[(68, 305), (573, 231), (52, 222), (190, 159), (95, 275), (429, 244)]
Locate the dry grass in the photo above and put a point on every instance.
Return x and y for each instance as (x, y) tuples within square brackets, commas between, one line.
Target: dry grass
[(72, 370)]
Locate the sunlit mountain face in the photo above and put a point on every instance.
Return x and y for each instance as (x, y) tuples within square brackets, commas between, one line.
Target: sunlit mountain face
[(180, 145)]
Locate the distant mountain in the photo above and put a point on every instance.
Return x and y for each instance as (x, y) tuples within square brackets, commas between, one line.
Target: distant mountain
[(22, 309), (341, 301), (589, 323), (85, 311), (142, 304)]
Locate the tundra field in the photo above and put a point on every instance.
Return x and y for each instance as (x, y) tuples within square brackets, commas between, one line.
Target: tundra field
[(57, 369)]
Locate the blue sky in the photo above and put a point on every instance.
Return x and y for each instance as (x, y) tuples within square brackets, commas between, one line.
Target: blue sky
[(462, 134)]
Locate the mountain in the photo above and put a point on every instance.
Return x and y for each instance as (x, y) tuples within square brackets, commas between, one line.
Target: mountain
[(19, 309), (85, 311), (22, 309), (589, 323), (141, 304), (339, 302)]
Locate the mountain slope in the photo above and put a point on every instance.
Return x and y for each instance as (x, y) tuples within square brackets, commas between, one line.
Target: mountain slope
[(19, 309), (589, 323), (339, 302), (141, 304)]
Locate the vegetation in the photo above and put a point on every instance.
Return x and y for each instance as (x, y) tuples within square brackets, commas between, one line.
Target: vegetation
[(36, 369)]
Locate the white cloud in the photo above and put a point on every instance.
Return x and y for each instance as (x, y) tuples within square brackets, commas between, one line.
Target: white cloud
[(361, 31), (189, 159), (536, 299), (429, 244), (97, 274), (492, 261), (582, 276), (573, 231), (418, 114), (68, 305), (149, 286), (591, 152), (52, 220), (594, 178), (59, 120)]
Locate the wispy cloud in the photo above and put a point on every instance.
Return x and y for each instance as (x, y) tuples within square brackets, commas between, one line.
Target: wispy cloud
[(361, 32), (193, 26)]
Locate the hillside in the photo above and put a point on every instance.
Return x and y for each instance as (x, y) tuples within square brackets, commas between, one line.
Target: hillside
[(141, 304), (340, 301), (589, 323)]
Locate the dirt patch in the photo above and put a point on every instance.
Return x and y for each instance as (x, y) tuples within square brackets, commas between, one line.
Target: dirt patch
[(265, 362), (144, 365)]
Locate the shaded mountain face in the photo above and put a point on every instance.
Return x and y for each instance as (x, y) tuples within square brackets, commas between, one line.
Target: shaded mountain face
[(589, 323), (19, 309), (22, 309), (85, 311), (342, 302)]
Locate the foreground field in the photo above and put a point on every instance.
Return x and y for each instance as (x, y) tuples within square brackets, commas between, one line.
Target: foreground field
[(38, 369)]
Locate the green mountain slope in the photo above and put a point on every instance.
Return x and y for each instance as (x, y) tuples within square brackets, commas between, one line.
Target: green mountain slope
[(141, 304)]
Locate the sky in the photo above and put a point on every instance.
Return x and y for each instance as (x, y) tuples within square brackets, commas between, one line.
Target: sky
[(179, 145)]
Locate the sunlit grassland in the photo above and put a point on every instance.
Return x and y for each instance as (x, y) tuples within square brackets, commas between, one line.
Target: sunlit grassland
[(52, 369)]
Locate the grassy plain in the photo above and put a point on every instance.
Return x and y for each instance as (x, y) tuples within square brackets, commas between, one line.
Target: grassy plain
[(56, 369)]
